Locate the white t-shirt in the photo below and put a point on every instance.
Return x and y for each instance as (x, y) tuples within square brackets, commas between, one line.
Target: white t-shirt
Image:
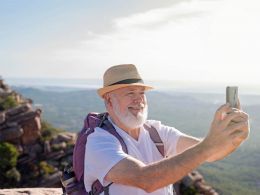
[(103, 151)]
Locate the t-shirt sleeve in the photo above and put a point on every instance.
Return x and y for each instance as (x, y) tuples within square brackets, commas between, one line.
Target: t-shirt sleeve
[(169, 136), (103, 151)]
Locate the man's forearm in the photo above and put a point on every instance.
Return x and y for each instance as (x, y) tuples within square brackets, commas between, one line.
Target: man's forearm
[(170, 170), (151, 177)]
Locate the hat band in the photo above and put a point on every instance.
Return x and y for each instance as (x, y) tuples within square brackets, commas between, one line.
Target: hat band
[(128, 81)]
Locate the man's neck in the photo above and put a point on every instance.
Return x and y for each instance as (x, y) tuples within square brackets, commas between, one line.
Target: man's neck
[(133, 132)]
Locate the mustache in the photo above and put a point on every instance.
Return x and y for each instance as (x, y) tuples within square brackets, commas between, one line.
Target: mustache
[(140, 106)]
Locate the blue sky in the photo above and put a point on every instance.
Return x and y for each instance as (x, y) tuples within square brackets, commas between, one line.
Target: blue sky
[(196, 40)]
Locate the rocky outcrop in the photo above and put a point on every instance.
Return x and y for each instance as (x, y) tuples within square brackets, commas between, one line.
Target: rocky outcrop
[(51, 155), (32, 191), (6, 91), (42, 153), (20, 124), (194, 182)]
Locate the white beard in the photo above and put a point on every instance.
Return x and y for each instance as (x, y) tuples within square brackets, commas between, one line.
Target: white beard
[(128, 119)]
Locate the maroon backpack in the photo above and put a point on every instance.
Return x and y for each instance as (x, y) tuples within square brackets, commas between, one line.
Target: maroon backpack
[(73, 178)]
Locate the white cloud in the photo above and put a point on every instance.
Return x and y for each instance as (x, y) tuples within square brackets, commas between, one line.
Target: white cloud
[(154, 38), (160, 16)]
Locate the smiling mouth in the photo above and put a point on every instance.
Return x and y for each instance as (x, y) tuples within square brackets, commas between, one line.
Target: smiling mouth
[(136, 109)]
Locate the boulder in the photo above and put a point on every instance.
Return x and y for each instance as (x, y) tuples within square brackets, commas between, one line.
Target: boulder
[(196, 180), (23, 117), (31, 129), (2, 117), (51, 180), (19, 109), (55, 155), (66, 137), (47, 147), (4, 94), (11, 133)]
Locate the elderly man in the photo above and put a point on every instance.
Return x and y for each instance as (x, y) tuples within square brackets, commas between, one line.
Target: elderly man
[(143, 170)]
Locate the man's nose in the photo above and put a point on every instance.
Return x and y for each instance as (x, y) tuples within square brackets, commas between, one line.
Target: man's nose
[(138, 99)]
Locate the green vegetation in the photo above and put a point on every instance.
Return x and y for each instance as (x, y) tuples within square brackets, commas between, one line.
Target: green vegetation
[(46, 169), (48, 131), (65, 110), (237, 173), (9, 176), (188, 190), (7, 103), (9, 155), (13, 175)]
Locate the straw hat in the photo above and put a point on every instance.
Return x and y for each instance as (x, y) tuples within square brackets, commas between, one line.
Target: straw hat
[(120, 76)]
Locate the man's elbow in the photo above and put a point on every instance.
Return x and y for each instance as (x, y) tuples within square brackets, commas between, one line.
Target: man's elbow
[(133, 174), (149, 189), (145, 184)]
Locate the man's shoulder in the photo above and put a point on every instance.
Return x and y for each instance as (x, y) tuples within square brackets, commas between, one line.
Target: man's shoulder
[(161, 127), (100, 133), (153, 123)]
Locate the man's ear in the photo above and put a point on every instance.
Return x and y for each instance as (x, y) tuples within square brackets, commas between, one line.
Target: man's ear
[(107, 99)]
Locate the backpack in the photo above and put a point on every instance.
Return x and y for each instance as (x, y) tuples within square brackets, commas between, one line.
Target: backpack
[(73, 176)]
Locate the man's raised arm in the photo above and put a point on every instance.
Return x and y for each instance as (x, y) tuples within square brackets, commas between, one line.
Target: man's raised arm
[(221, 140)]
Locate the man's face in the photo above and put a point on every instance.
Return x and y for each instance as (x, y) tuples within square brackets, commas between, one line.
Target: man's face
[(129, 105)]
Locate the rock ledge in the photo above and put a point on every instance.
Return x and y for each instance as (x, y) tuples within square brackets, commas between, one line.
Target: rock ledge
[(31, 191)]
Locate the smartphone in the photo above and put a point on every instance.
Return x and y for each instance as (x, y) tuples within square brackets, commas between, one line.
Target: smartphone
[(232, 96)]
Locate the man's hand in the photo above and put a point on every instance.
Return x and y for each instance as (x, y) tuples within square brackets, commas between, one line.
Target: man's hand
[(228, 130)]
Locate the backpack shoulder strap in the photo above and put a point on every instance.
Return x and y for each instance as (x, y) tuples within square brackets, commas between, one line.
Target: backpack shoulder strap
[(110, 128), (154, 135), (97, 188)]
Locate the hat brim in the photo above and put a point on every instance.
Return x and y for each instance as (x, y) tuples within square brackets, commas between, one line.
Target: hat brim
[(102, 91)]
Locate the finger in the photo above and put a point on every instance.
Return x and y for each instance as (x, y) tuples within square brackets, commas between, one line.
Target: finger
[(238, 119), (236, 109), (240, 134), (230, 117), (241, 126), (222, 111), (238, 104), (232, 110), (242, 114), (241, 118), (238, 137)]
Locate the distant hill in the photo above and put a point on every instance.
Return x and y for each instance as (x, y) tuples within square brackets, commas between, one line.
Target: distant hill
[(190, 112)]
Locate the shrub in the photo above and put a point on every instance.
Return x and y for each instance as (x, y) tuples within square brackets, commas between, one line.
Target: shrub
[(9, 155), (46, 168), (188, 190), (48, 131), (8, 102), (13, 175)]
